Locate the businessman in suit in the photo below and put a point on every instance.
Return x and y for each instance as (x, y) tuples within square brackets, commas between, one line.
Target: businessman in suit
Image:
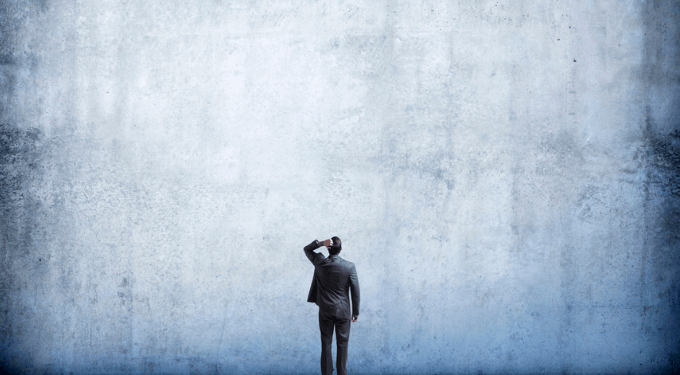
[(333, 280)]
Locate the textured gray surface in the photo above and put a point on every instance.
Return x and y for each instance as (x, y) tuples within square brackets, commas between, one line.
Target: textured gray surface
[(503, 174)]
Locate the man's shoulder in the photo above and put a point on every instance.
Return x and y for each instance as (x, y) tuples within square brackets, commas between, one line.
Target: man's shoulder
[(347, 263)]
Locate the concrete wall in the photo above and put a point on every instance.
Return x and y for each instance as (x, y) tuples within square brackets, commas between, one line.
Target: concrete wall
[(504, 175)]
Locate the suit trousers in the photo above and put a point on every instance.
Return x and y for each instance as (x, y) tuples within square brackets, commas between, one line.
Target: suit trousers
[(326, 324)]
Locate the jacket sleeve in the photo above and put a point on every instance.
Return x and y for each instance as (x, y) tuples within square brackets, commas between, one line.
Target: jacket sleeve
[(354, 286), (309, 250)]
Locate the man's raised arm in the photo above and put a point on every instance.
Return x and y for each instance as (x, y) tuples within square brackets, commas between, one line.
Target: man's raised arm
[(309, 250)]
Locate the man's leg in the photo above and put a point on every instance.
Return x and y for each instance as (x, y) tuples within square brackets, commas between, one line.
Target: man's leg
[(342, 338), (326, 328)]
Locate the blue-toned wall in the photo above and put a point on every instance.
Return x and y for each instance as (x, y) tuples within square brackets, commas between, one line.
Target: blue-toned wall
[(504, 175)]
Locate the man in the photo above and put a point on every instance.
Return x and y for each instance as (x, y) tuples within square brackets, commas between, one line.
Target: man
[(334, 277)]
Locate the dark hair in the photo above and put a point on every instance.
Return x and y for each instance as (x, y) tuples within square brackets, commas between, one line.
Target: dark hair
[(337, 246)]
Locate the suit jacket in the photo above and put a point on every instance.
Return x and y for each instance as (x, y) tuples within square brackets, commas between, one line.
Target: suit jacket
[(333, 280)]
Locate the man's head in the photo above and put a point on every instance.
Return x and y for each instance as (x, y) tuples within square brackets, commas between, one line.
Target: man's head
[(337, 246)]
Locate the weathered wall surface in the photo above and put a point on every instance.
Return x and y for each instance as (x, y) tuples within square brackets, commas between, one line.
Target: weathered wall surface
[(504, 174)]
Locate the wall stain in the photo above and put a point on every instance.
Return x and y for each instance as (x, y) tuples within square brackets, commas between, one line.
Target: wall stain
[(660, 274)]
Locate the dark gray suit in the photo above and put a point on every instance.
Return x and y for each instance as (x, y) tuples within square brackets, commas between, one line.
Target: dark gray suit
[(334, 278)]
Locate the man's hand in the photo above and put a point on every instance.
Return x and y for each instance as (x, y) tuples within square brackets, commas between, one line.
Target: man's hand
[(354, 318), (326, 243)]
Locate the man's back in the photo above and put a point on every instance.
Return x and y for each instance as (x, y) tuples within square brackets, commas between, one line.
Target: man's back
[(334, 278)]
